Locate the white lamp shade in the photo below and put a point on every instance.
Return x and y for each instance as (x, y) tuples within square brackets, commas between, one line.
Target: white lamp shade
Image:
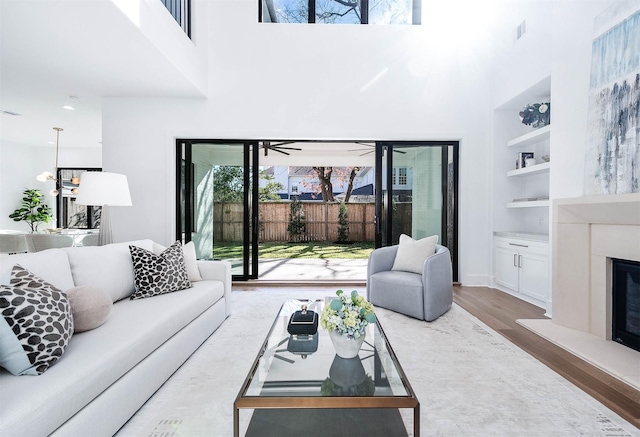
[(102, 188)]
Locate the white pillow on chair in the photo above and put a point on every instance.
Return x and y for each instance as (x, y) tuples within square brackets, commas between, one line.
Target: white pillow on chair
[(412, 253)]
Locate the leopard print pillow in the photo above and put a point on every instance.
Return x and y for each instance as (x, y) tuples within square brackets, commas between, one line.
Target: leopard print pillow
[(37, 322), (158, 274)]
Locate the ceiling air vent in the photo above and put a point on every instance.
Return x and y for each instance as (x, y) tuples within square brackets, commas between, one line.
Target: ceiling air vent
[(521, 29), (9, 112)]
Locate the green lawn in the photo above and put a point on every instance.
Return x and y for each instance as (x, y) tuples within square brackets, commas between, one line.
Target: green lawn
[(359, 250)]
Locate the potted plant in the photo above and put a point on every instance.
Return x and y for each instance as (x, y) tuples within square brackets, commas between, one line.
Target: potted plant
[(346, 318), (33, 210)]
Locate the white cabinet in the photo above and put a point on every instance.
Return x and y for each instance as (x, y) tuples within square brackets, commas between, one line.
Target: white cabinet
[(522, 268)]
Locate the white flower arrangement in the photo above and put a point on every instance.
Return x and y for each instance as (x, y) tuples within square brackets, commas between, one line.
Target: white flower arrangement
[(348, 315)]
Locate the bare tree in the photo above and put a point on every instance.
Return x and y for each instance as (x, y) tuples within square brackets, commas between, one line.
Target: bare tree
[(352, 177), (326, 187)]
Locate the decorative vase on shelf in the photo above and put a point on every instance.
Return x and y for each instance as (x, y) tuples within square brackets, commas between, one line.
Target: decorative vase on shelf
[(346, 347), (536, 115)]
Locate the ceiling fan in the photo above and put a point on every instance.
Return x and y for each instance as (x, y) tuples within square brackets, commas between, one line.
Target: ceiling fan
[(278, 147), (371, 149)]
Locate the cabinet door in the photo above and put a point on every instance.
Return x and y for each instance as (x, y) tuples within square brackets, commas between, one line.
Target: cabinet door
[(506, 268), (534, 275)]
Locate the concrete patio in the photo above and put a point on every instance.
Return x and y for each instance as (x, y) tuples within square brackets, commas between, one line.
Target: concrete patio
[(305, 270)]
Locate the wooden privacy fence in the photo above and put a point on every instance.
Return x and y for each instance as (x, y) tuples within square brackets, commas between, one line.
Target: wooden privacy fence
[(321, 221)]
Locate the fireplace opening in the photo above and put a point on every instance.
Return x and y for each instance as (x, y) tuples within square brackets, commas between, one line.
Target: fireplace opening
[(626, 303)]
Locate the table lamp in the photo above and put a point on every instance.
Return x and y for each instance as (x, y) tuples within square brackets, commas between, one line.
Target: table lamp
[(105, 190)]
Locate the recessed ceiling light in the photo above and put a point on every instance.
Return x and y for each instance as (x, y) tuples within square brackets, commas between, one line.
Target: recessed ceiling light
[(72, 99)]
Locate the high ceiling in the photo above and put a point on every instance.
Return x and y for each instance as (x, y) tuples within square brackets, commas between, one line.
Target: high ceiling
[(51, 50)]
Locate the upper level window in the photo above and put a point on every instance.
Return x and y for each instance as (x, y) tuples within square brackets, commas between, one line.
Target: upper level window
[(402, 176), (181, 12), (399, 176), (340, 11)]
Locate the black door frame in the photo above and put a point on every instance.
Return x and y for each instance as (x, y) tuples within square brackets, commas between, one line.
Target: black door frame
[(250, 199), (386, 234), (251, 222)]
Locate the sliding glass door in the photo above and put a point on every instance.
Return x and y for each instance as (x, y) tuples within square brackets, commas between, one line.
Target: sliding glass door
[(416, 192), (217, 202)]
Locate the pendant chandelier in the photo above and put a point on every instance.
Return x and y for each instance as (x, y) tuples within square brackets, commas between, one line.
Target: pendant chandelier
[(48, 176)]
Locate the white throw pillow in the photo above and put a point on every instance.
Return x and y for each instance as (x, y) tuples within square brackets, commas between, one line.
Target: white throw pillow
[(190, 259), (412, 253), (108, 267)]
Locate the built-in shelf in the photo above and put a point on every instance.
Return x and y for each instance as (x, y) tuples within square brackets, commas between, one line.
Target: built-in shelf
[(529, 204), (529, 171), (532, 137)]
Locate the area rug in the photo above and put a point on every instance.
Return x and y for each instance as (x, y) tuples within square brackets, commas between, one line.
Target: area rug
[(469, 380)]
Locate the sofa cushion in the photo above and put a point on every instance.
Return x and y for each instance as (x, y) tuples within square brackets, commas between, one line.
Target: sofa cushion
[(190, 259), (52, 265), (108, 267), (90, 306), (412, 253), (158, 274), (36, 324), (96, 359)]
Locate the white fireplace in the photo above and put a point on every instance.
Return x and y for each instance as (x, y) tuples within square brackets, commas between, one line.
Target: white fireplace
[(587, 233)]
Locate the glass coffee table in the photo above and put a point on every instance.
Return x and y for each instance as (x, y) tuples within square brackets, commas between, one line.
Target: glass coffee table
[(298, 385)]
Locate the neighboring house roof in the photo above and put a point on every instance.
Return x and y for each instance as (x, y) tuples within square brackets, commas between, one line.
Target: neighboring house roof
[(309, 171)]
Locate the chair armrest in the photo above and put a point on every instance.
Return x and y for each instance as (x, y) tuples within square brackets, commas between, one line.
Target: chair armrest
[(218, 271), (380, 260), (437, 282)]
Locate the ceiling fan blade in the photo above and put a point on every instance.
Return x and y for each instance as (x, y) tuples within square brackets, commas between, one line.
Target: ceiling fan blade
[(278, 150), (285, 148), (282, 144)]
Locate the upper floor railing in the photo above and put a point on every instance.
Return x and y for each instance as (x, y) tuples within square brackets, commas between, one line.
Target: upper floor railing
[(181, 11)]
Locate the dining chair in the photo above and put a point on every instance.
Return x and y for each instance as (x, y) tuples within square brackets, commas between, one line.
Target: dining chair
[(38, 242), (12, 243)]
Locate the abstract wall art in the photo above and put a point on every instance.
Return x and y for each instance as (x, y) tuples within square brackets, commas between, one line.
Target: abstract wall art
[(612, 162)]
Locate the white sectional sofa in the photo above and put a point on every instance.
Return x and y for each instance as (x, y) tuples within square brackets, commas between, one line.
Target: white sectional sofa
[(106, 374)]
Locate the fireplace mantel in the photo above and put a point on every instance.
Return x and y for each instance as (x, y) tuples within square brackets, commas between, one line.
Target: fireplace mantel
[(586, 233)]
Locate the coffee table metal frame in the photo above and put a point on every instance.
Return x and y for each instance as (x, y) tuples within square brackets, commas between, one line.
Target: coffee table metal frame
[(317, 402)]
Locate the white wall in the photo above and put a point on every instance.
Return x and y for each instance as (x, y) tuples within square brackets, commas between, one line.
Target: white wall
[(311, 82)]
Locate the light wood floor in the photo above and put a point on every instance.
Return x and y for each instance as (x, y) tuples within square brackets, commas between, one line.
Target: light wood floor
[(500, 311)]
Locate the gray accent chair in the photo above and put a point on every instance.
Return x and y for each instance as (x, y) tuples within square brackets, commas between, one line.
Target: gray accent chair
[(424, 297)]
